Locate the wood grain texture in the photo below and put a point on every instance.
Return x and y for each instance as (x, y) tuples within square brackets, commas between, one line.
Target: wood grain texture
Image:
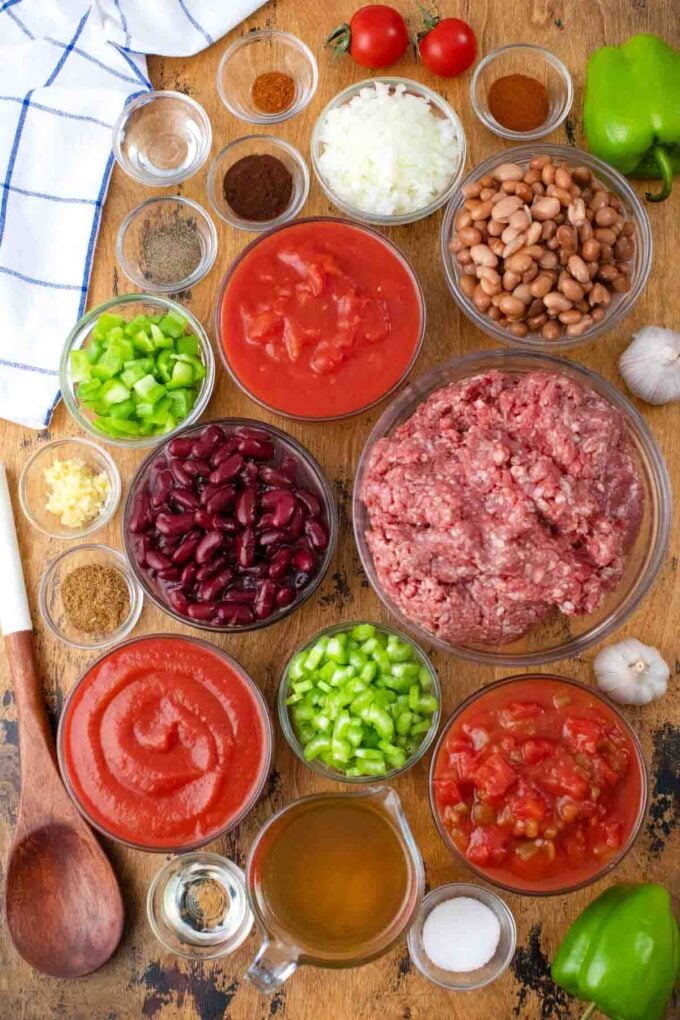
[(141, 981)]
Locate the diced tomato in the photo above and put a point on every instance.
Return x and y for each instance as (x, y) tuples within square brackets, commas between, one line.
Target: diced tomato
[(487, 845), (448, 792), (519, 712), (494, 776), (583, 735), (292, 340), (316, 278), (463, 765), (265, 325), (561, 776), (603, 773), (536, 750), (527, 803), (605, 837)]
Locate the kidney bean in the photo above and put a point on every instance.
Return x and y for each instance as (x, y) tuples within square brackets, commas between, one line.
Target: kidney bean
[(240, 595), (170, 575), (188, 575), (181, 446), (211, 590), (224, 451), (140, 518), (202, 611), (210, 569), (279, 564), (227, 470), (245, 547), (264, 602), (303, 560), (160, 485), (209, 439), (221, 499), (178, 600), (248, 473), (284, 595), (289, 467), (226, 524), (235, 615), (197, 468), (311, 502), (203, 519), (174, 524), (273, 476), (186, 499), (208, 546), (157, 560), (246, 506), (270, 536), (179, 474), (256, 448), (252, 432), (282, 505)]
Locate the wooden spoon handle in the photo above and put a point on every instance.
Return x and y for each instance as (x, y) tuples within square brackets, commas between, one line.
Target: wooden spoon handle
[(34, 728), (14, 612)]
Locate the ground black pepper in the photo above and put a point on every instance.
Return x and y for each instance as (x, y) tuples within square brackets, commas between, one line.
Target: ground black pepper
[(258, 187), (171, 249)]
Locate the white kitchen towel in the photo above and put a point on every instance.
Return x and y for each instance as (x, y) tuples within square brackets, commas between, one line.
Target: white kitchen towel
[(67, 67)]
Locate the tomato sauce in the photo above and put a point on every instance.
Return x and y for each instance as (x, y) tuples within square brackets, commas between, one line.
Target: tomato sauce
[(538, 784), (320, 319), (164, 743)]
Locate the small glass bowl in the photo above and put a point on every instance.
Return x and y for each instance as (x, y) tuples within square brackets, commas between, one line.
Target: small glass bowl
[(162, 138), (535, 62), (33, 489), (621, 304), (560, 637), (318, 766), (49, 597), (256, 53), (463, 981), (128, 306), (258, 145), (172, 906), (552, 888), (439, 107), (164, 212)]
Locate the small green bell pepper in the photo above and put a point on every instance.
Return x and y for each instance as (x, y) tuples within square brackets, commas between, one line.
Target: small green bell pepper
[(631, 109), (622, 953)]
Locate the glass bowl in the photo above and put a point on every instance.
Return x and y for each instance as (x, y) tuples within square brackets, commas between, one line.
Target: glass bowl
[(257, 53), (258, 145), (162, 138), (608, 866), (527, 59), (318, 766), (463, 981), (559, 636), (51, 606), (164, 212), (311, 220), (34, 490), (441, 109), (620, 305), (314, 479), (128, 306), (257, 789)]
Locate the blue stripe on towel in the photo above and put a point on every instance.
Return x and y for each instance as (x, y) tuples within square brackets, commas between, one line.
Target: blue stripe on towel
[(93, 60), (145, 81), (18, 22), (28, 368), (58, 113), (68, 49), (123, 23), (26, 102), (192, 21), (49, 198), (94, 231), (40, 283)]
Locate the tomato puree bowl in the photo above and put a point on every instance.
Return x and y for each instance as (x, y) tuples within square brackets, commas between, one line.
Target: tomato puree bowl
[(538, 784), (320, 319), (165, 743), (557, 636)]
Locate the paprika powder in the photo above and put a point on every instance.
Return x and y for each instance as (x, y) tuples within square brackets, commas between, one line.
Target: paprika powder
[(518, 102), (273, 92), (258, 187)]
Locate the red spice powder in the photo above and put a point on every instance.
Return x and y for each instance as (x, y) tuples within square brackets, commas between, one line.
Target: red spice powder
[(518, 102)]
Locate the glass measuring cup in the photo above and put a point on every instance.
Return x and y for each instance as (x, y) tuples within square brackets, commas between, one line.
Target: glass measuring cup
[(388, 870)]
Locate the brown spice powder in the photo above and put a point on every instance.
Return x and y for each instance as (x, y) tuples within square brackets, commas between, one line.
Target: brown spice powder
[(518, 102), (95, 598), (273, 92)]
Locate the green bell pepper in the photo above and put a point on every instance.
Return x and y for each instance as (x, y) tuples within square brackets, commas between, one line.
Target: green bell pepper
[(622, 953), (631, 109)]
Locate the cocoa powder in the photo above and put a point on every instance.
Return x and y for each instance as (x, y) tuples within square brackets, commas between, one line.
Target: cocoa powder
[(258, 187)]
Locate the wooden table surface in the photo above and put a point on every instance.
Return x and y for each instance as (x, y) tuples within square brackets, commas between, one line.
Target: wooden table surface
[(143, 981)]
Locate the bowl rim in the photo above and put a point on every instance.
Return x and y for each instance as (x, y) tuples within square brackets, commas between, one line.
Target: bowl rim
[(110, 507), (614, 181), (259, 226), (543, 129), (325, 770), (315, 469), (501, 359), (203, 267), (257, 36), (267, 727), (457, 890), (145, 98), (122, 564), (81, 331), (400, 219), (642, 765), (304, 220)]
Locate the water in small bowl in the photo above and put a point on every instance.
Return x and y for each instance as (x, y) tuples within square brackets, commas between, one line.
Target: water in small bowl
[(162, 138)]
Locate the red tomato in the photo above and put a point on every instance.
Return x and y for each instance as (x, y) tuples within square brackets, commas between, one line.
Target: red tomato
[(537, 750), (518, 712), (494, 776), (448, 792), (448, 47), (527, 803), (375, 37), (463, 765), (582, 735), (488, 845)]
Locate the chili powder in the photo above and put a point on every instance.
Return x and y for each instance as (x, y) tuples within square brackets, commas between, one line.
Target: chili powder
[(273, 92), (258, 187), (518, 102)]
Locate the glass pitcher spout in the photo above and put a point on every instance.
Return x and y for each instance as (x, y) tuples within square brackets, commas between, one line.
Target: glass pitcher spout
[(274, 964)]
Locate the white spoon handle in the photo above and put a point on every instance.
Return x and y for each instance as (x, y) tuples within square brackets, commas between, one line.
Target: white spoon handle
[(14, 612)]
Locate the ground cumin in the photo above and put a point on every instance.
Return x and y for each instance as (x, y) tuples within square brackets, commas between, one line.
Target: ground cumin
[(518, 102), (95, 598), (273, 92), (258, 187)]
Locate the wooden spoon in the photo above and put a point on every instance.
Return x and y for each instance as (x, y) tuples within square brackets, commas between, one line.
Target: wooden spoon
[(62, 900)]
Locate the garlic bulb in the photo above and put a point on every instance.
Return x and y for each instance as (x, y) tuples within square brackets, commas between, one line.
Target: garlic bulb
[(651, 365), (631, 673)]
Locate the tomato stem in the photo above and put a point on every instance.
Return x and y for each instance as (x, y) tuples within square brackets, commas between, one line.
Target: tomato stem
[(339, 40), (430, 20)]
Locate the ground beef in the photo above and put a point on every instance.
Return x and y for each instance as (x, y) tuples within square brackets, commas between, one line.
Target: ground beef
[(503, 498)]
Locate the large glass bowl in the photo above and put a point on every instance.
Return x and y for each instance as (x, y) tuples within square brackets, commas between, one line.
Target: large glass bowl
[(318, 766), (559, 636), (615, 182), (439, 107), (313, 477), (128, 306), (608, 866), (268, 736)]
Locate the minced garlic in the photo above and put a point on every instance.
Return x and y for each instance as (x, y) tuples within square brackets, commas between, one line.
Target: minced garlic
[(77, 493)]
